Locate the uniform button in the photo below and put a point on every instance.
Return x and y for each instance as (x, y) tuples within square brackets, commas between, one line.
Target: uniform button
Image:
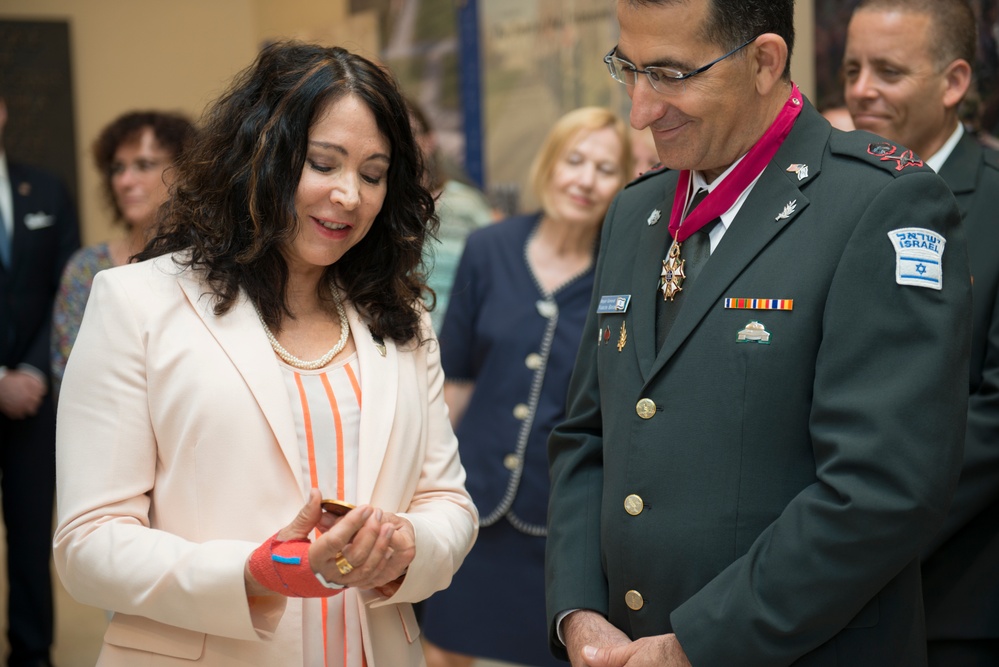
[(511, 461), (646, 408), (533, 361), (634, 600), (634, 505), (521, 411)]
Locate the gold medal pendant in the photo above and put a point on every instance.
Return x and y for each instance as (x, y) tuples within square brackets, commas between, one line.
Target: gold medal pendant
[(672, 277)]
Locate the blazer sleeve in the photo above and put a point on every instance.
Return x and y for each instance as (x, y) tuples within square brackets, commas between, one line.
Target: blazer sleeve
[(458, 331), (887, 428), (106, 552)]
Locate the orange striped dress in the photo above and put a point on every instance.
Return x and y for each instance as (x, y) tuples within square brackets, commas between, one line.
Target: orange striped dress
[(326, 404)]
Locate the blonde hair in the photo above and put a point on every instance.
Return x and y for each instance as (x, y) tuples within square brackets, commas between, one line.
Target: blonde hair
[(560, 137)]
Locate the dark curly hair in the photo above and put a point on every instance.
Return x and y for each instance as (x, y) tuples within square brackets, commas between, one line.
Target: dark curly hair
[(232, 207), (174, 132)]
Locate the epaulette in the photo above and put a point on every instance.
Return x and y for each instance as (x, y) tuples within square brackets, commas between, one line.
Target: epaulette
[(877, 151), (646, 175)]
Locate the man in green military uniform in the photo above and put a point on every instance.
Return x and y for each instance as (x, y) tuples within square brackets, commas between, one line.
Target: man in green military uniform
[(766, 424), (907, 67)]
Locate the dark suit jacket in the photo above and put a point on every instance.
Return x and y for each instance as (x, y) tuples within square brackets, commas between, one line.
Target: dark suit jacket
[(961, 568), (45, 234), (787, 488)]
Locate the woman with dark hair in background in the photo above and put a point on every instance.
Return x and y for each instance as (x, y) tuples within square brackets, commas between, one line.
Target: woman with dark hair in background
[(133, 154), (269, 349)]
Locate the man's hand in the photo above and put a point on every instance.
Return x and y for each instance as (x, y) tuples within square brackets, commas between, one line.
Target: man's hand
[(21, 394), (658, 651), (585, 628)]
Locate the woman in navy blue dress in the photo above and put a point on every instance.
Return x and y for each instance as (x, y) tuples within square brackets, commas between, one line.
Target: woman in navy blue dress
[(508, 344)]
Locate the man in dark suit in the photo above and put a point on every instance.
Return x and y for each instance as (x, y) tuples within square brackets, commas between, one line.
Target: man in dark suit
[(769, 426), (907, 67), (39, 234)]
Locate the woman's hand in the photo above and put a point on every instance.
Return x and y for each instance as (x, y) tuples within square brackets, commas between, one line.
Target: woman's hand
[(311, 517), (373, 548), (375, 556)]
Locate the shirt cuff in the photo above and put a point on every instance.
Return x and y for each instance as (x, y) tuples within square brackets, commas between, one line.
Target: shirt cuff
[(328, 584), (33, 372), (558, 624)]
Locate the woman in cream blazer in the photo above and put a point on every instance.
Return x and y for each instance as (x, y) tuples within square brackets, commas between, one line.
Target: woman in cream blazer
[(178, 456)]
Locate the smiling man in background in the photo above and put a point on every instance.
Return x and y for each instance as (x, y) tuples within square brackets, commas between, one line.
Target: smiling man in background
[(907, 67)]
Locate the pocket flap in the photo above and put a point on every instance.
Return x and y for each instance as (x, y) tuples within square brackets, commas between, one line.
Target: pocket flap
[(143, 634)]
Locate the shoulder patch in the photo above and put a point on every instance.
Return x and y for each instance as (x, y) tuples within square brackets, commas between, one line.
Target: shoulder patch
[(876, 151), (918, 256), (644, 176), (886, 151)]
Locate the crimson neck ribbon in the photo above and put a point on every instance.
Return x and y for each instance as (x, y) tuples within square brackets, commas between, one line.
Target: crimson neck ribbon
[(721, 198)]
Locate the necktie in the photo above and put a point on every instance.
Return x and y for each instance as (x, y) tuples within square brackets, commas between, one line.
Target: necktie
[(4, 243), (694, 251)]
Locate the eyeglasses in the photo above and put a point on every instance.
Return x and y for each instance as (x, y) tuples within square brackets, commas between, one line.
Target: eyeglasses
[(663, 79)]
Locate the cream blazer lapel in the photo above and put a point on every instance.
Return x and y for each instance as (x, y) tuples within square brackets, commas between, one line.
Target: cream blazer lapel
[(242, 339), (379, 396)]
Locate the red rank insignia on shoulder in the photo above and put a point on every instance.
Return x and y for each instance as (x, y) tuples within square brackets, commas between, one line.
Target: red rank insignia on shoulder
[(886, 151)]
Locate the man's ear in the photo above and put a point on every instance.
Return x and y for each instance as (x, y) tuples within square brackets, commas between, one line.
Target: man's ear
[(769, 58), (957, 80)]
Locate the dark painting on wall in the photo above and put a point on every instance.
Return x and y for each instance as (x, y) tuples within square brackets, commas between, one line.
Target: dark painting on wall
[(982, 106), (36, 82)]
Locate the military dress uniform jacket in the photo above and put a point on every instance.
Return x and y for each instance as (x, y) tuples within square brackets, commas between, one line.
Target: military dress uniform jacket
[(961, 568), (771, 510)]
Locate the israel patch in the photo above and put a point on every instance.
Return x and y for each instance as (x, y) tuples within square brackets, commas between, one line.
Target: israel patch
[(918, 257)]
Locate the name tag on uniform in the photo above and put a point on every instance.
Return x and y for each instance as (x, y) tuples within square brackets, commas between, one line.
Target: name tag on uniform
[(613, 303)]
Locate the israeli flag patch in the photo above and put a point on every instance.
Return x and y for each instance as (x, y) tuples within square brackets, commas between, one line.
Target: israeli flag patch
[(918, 257)]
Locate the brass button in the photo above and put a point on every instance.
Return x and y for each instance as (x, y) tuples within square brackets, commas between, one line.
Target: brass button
[(521, 411), (533, 361), (634, 505), (511, 461), (634, 600), (646, 408)]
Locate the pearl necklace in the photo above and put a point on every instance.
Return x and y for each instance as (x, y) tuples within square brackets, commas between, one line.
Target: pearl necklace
[(292, 360)]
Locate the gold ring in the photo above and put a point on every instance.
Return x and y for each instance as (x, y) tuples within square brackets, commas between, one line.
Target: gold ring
[(342, 564)]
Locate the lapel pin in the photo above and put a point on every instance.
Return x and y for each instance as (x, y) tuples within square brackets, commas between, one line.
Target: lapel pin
[(800, 169), (379, 344), (754, 332), (622, 338), (788, 210), (606, 338), (24, 188), (654, 217)]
